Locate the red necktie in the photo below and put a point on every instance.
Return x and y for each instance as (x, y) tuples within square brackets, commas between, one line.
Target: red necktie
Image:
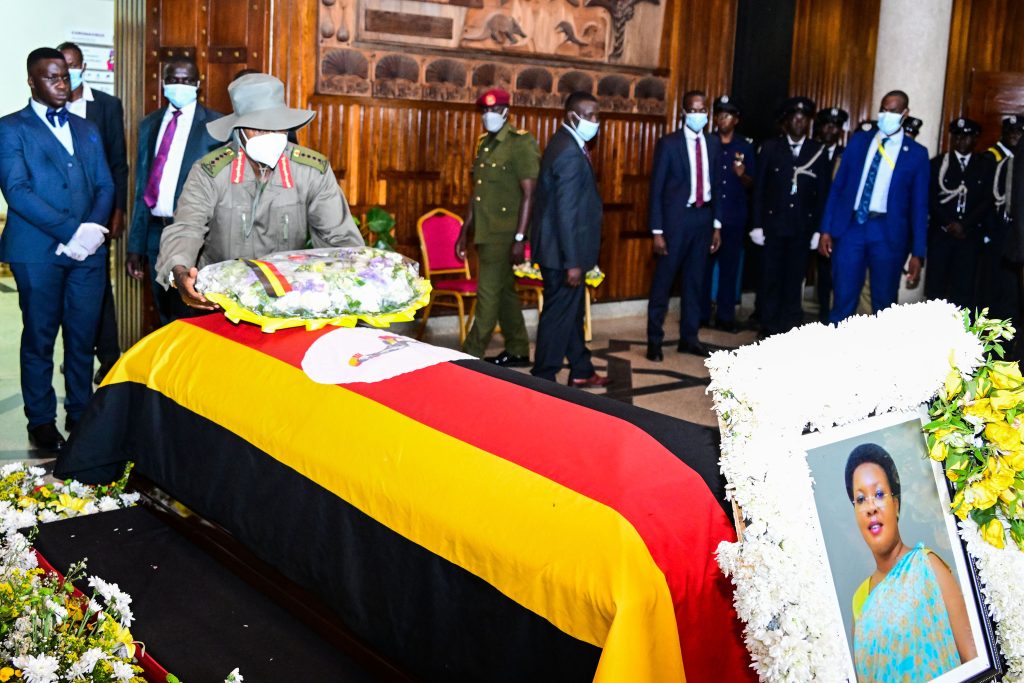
[(698, 180), (159, 161), (586, 153)]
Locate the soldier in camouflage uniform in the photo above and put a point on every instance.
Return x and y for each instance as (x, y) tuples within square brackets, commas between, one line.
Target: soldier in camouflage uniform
[(504, 176), (257, 195)]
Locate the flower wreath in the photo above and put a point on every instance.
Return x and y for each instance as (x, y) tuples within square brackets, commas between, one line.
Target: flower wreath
[(767, 394)]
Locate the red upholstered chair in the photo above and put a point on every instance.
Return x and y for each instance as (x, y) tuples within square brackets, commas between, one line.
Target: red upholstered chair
[(438, 230)]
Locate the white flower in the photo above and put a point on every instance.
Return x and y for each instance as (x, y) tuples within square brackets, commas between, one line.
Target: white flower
[(59, 611), (84, 666), (41, 669), (10, 468), (36, 471), (47, 515), (122, 672), (129, 499), (106, 504), (234, 677)]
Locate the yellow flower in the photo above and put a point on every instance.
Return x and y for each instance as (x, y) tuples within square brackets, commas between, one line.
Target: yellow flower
[(1002, 436), (982, 409), (953, 383), (70, 503), (1006, 375), (960, 506), (6, 673), (993, 533), (938, 451), (981, 496), (120, 635), (1015, 459), (999, 475), (955, 468), (1003, 399), (983, 386)]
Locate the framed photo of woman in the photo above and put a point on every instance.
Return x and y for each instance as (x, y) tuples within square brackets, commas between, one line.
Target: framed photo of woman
[(906, 590)]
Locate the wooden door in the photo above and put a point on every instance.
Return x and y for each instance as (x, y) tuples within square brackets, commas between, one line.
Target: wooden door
[(993, 95)]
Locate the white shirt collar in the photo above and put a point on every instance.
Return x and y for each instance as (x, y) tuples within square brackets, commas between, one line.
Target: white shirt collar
[(896, 138), (962, 158), (87, 92), (690, 134), (795, 142), (40, 109), (1006, 150), (185, 111)]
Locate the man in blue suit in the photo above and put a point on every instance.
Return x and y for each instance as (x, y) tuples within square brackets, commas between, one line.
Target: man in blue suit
[(59, 192), (685, 223), (877, 212), (158, 186)]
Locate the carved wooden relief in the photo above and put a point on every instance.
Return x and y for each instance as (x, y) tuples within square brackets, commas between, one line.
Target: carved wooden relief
[(450, 51)]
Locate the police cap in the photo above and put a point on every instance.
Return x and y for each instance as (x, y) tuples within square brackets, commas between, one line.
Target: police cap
[(725, 104), (802, 105), (964, 126), (832, 115), (1013, 122), (912, 125)]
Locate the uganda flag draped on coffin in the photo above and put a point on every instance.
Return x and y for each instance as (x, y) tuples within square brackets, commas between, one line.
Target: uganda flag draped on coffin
[(469, 523)]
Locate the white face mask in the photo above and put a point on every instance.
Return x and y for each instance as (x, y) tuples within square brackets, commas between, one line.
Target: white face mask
[(493, 121), (265, 149), (585, 129)]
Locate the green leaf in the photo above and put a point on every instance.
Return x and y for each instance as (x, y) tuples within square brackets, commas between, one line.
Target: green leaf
[(983, 517)]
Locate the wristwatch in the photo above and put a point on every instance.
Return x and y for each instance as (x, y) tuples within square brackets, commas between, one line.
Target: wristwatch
[(520, 237)]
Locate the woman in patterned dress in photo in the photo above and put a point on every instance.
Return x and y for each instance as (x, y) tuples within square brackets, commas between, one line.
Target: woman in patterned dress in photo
[(910, 621)]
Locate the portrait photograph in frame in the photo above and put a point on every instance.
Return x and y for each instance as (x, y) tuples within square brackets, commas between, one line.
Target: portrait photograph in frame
[(906, 591)]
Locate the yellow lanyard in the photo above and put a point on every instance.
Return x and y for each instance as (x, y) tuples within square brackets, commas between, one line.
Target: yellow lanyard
[(888, 159)]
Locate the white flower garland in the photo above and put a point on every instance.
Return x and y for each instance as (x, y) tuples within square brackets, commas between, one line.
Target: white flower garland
[(818, 376)]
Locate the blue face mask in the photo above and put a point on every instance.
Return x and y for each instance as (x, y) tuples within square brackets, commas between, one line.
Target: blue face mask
[(889, 122), (77, 77), (696, 122), (585, 129), (180, 94)]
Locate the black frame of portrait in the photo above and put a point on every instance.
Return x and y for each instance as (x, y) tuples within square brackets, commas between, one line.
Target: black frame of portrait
[(880, 423)]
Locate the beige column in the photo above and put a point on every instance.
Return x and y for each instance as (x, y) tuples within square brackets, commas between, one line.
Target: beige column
[(913, 45)]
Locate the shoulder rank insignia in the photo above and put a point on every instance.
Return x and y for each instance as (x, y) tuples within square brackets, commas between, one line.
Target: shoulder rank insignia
[(308, 157), (996, 152), (217, 160)]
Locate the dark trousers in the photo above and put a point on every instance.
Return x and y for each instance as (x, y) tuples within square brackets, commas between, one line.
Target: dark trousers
[(107, 347), (824, 286), (560, 331), (728, 259), (61, 296), (952, 265), (497, 303), (783, 270), (689, 242), (863, 248)]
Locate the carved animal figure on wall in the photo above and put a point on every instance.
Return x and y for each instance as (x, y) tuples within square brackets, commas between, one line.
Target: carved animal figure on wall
[(501, 28), (569, 31)]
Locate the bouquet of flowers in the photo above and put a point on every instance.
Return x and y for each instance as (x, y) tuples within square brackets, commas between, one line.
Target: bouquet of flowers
[(26, 499), (531, 271), (976, 430), (317, 287)]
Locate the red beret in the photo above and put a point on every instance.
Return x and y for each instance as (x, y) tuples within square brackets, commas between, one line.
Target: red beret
[(494, 96)]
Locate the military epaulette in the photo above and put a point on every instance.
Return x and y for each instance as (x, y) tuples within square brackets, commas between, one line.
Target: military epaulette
[(522, 131), (311, 158), (996, 152), (217, 160)]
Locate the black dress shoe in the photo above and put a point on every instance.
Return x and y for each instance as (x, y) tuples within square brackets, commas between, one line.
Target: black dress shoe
[(695, 348), (69, 424), (45, 437), (507, 360), (654, 353), (729, 326)]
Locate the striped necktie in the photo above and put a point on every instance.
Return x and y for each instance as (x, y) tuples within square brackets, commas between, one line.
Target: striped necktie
[(864, 208)]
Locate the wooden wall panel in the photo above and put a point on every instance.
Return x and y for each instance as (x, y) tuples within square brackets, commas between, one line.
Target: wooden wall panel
[(697, 50), (985, 36), (834, 55)]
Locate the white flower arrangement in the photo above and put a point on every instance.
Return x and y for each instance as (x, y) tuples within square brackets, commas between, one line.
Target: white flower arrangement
[(817, 377)]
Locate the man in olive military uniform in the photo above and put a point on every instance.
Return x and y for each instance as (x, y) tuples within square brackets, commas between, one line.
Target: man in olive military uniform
[(959, 199), (504, 177), (257, 195), (998, 277)]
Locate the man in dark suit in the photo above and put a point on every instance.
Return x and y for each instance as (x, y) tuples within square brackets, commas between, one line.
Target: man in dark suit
[(877, 212), (565, 240), (107, 113), (828, 130), (158, 186), (959, 199), (793, 175), (685, 223), (59, 192)]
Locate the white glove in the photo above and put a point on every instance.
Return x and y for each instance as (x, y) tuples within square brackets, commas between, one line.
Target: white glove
[(757, 236), (90, 236), (73, 250), (815, 238)]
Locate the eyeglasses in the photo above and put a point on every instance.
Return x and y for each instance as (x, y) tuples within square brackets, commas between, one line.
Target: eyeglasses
[(878, 500), (52, 80)]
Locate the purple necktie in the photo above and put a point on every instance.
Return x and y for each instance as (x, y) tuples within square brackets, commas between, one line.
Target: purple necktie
[(157, 172), (698, 158)]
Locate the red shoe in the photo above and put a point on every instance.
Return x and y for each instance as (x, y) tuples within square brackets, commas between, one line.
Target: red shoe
[(591, 382)]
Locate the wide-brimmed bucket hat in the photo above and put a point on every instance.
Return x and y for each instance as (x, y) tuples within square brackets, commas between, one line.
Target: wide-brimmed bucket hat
[(258, 103)]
